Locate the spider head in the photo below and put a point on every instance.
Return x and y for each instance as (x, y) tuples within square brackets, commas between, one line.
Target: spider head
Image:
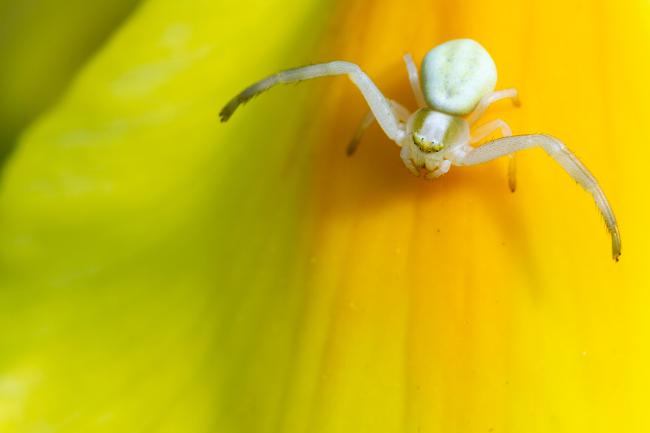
[(433, 131)]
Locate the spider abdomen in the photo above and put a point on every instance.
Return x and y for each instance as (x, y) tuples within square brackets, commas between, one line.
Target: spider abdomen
[(456, 75)]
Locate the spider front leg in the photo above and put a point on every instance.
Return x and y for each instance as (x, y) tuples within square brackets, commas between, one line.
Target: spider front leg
[(400, 112), (378, 104), (485, 130), (563, 156)]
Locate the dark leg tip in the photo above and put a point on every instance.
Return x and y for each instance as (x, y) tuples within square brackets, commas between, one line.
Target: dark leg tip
[(225, 114)]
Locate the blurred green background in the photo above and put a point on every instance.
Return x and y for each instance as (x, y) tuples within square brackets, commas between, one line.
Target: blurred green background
[(43, 43)]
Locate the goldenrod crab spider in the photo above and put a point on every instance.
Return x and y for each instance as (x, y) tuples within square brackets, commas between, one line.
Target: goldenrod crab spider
[(458, 79)]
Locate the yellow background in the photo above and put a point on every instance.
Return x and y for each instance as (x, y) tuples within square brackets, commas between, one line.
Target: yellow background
[(163, 272)]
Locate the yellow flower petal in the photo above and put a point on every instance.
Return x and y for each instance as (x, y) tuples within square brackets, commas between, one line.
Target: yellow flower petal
[(455, 305), (164, 272)]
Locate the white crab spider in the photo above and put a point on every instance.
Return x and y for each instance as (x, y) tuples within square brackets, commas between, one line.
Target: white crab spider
[(458, 79)]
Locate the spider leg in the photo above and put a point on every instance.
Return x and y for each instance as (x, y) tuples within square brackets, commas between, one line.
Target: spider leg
[(483, 131), (379, 105), (490, 99), (365, 123), (405, 154), (414, 79), (563, 156), (399, 110)]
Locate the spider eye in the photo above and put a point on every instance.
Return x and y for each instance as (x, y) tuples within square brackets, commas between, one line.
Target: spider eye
[(425, 145), (456, 75)]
